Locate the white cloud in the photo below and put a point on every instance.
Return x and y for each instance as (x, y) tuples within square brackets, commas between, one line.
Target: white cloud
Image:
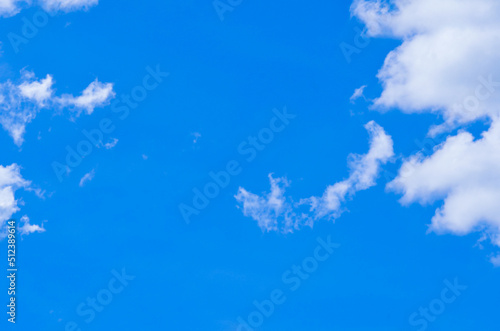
[(111, 144), (495, 260), (276, 212), (358, 93), (196, 136), (15, 111), (21, 101), (38, 91), (463, 172), (95, 95), (68, 5), (87, 177), (11, 181), (24, 227), (10, 8), (364, 170), (272, 211), (450, 48)]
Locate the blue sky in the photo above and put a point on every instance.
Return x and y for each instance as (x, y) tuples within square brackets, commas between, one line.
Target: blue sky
[(116, 211)]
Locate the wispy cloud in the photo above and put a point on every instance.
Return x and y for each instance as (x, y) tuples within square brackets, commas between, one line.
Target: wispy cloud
[(272, 211), (111, 144), (87, 177), (276, 212), (358, 93), (364, 170), (68, 5), (196, 136), (12, 7)]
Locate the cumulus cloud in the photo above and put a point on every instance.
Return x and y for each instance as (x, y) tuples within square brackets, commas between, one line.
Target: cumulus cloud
[(11, 181), (21, 101), (465, 174), (25, 227), (447, 65), (276, 212), (37, 91), (447, 62), (12, 7)]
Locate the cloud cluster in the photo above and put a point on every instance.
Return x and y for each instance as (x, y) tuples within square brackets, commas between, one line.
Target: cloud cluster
[(276, 212), (446, 64), (20, 102), (10, 8)]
